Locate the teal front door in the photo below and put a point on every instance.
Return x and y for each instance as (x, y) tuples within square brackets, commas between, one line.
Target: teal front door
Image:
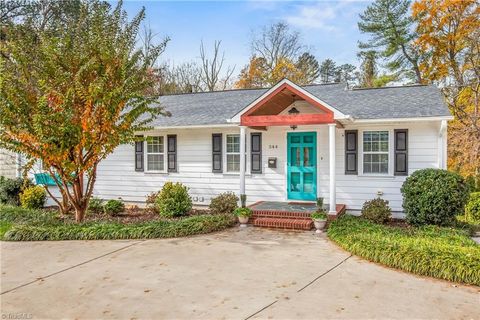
[(302, 165)]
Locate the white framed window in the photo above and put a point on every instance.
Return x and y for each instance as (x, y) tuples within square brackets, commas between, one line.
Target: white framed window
[(155, 151), (375, 152), (232, 152)]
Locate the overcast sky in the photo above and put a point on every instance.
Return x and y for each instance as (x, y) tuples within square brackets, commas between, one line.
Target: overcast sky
[(328, 27)]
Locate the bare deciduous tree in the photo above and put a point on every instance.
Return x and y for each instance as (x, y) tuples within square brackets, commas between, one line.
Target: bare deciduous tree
[(212, 68), (276, 42)]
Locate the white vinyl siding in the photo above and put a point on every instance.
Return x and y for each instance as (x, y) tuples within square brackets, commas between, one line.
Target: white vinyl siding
[(8, 164), (232, 153), (117, 176), (155, 154)]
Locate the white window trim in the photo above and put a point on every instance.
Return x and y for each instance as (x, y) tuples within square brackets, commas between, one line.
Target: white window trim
[(226, 153), (390, 153), (247, 155), (145, 160)]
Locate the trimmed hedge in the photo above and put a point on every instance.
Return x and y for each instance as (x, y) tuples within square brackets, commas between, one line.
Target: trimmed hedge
[(173, 200), (444, 253), (102, 231), (434, 196)]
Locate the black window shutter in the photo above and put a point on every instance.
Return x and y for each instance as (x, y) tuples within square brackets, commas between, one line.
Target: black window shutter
[(401, 152), (256, 152), (139, 154), (351, 151), (217, 152), (172, 153)]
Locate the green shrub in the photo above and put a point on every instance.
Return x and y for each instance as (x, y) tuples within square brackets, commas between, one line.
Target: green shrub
[(192, 225), (472, 209), (224, 203), (441, 252), (33, 197), (173, 200), (433, 196), (10, 190), (376, 210), (242, 212), (113, 207), (319, 215), (95, 205)]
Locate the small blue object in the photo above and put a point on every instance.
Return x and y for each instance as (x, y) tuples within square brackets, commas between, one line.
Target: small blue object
[(45, 179)]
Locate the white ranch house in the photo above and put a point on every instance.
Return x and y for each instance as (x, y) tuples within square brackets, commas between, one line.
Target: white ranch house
[(299, 143), (285, 144)]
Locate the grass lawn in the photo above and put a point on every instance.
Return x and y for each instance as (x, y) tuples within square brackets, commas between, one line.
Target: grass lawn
[(18, 224), (440, 252)]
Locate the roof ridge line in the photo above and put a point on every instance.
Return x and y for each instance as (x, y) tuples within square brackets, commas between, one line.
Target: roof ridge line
[(248, 89), (392, 87)]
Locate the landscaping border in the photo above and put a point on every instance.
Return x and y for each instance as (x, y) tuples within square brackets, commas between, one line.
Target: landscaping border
[(439, 252)]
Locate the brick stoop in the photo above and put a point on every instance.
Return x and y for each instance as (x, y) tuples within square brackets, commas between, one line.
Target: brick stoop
[(285, 219), (282, 219), (284, 223)]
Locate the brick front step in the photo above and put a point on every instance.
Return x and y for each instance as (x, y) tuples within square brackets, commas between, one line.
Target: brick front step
[(280, 214), (284, 223)]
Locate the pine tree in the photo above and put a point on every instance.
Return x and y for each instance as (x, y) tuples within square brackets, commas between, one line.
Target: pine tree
[(328, 69), (391, 28)]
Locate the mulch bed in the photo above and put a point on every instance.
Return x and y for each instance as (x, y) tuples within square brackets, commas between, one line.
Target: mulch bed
[(398, 223), (132, 214)]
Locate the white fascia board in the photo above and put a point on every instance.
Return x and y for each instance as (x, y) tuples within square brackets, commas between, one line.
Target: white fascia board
[(416, 119), (201, 126), (336, 113)]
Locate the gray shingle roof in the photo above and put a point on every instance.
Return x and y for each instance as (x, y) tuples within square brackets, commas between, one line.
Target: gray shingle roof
[(211, 108)]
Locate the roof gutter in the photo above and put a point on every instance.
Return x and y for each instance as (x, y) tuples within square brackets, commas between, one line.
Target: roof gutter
[(416, 119)]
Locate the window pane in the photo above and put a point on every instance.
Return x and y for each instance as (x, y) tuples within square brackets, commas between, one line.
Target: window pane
[(295, 139), (375, 163), (308, 182), (307, 161), (233, 162), (155, 162), (233, 143), (295, 156), (295, 181), (375, 141), (308, 139), (155, 145)]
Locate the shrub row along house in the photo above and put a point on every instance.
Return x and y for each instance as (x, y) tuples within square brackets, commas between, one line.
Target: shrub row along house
[(287, 143)]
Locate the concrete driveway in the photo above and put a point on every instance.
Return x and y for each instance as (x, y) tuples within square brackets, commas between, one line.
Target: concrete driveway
[(235, 274)]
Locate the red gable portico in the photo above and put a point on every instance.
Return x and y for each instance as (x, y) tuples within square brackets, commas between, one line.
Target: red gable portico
[(266, 111)]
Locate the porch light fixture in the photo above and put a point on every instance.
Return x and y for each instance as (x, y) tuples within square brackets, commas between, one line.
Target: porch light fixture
[(293, 112)]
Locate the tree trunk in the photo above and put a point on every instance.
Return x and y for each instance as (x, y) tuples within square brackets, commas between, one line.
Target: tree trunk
[(80, 214)]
